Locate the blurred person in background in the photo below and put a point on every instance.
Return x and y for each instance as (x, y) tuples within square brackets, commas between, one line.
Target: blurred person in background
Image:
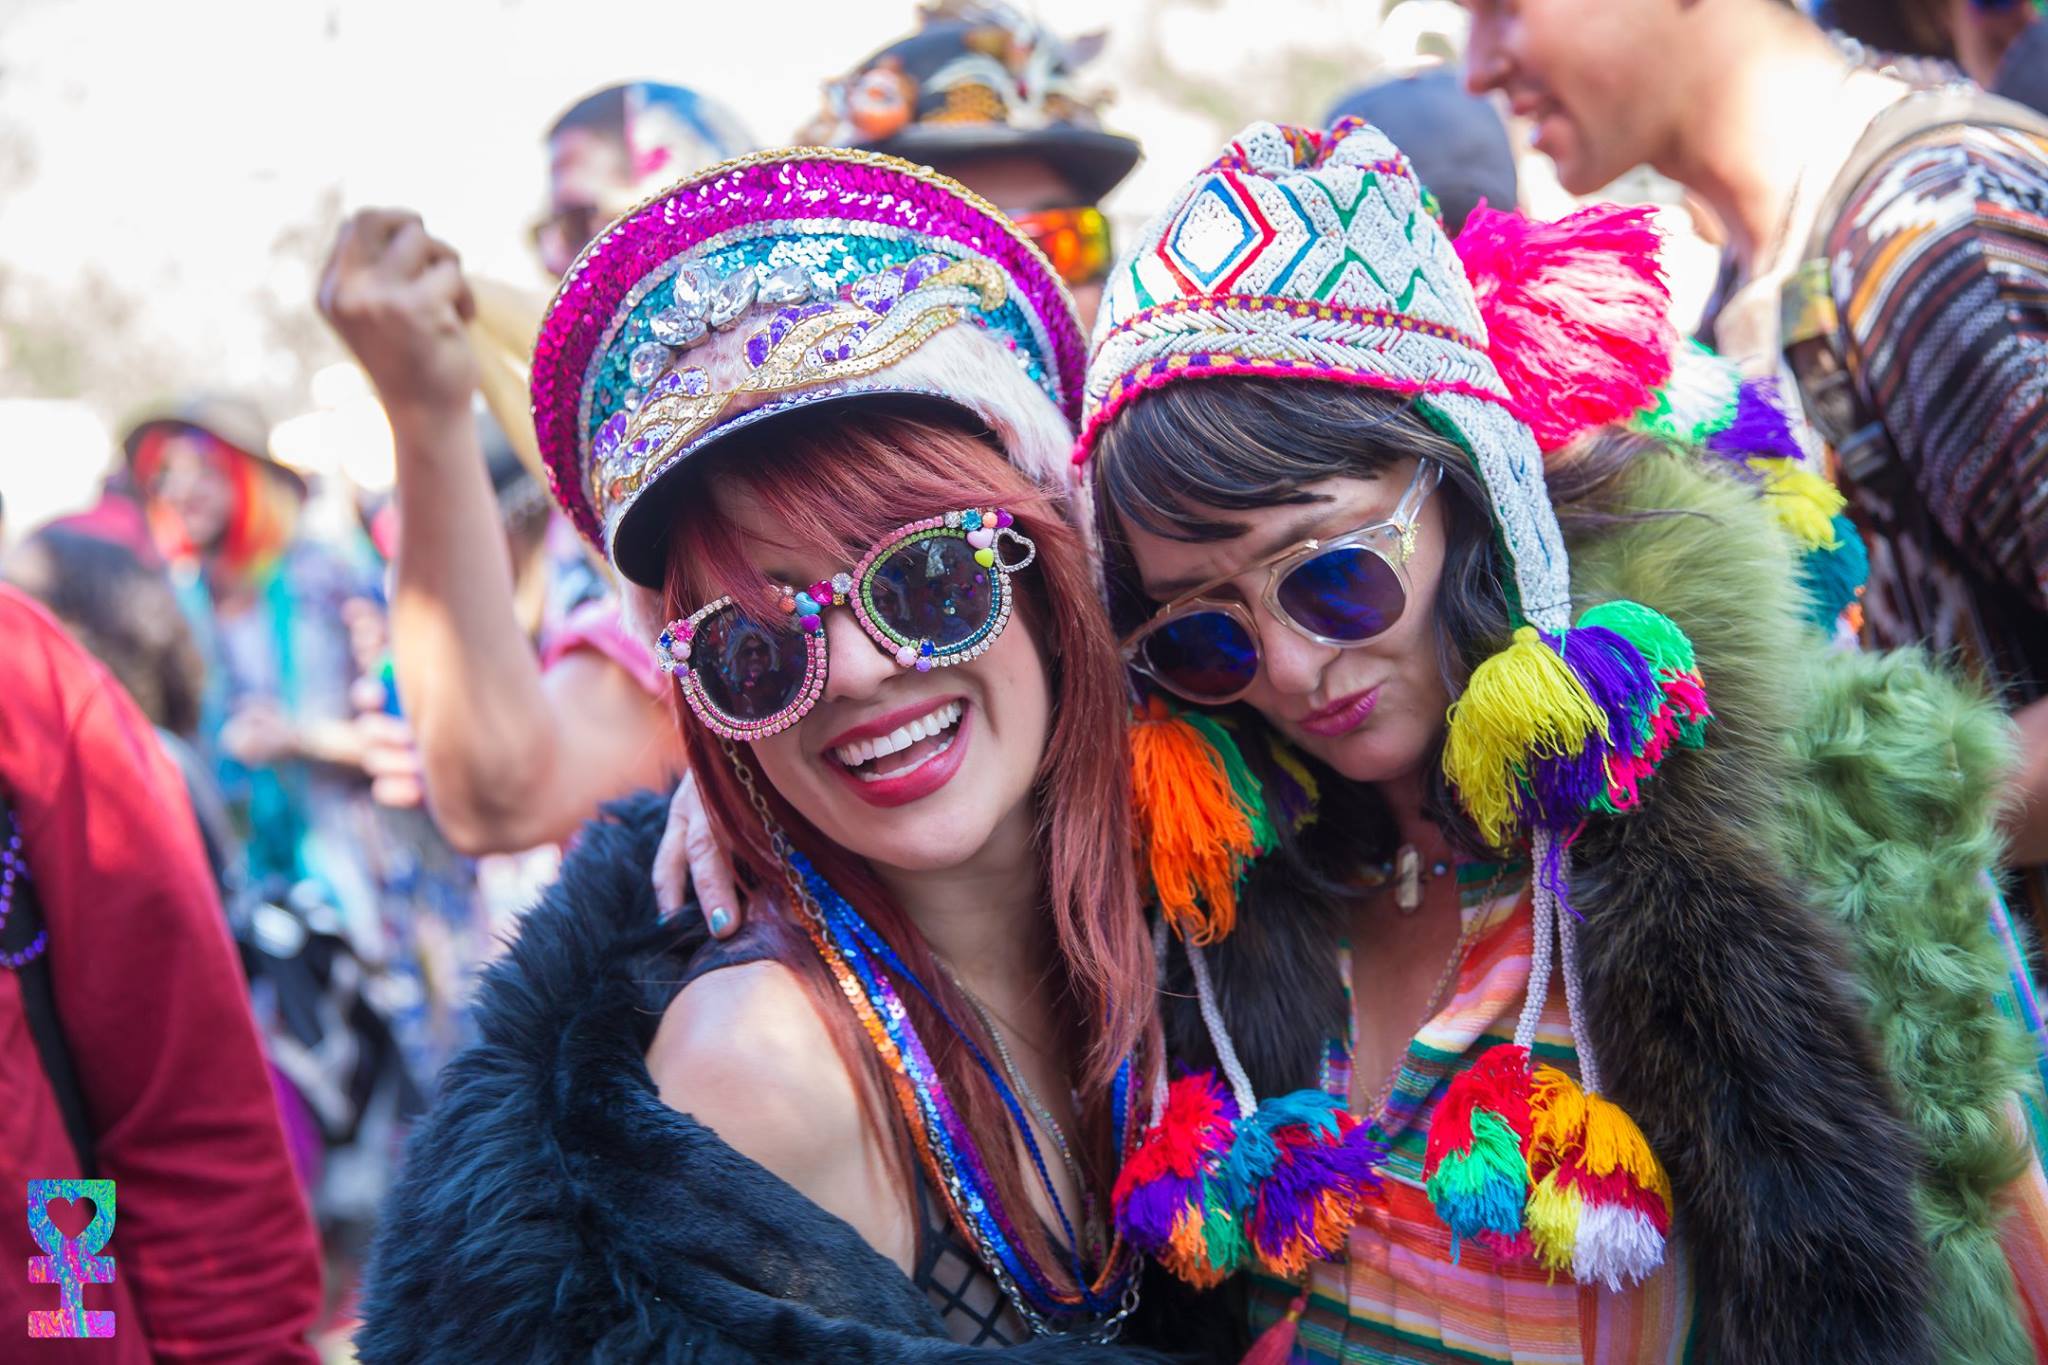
[(339, 911), (2002, 45), (136, 1059), (987, 96), (117, 516), (1887, 253), (515, 750), (264, 604), (616, 146), (1454, 139), (507, 883)]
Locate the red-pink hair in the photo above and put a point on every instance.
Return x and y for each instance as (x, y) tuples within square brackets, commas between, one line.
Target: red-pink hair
[(848, 483)]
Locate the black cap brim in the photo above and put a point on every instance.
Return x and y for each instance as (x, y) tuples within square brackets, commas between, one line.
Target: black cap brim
[(639, 545), (1094, 162)]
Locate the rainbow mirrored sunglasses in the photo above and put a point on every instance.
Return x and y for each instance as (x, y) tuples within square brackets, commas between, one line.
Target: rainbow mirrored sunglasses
[(932, 594), (1075, 240)]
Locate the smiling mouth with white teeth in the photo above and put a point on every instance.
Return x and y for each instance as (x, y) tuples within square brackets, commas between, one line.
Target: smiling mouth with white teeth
[(904, 749)]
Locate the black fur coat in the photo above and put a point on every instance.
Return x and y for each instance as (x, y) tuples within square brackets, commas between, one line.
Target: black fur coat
[(552, 1208), (1764, 953)]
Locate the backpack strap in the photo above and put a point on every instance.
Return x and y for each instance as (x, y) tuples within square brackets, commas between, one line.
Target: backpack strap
[(19, 932), (1816, 344)]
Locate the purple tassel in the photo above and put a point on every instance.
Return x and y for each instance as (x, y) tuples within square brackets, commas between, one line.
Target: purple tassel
[(1760, 429), (1312, 1168), (1618, 679), (1561, 789)]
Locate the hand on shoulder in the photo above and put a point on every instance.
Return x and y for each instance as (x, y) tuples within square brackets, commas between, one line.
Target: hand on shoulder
[(745, 1052)]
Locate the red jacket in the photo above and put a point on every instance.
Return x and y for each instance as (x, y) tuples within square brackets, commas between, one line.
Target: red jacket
[(214, 1250)]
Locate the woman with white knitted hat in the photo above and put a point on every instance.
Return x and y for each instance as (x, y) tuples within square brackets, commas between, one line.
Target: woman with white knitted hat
[(1491, 715)]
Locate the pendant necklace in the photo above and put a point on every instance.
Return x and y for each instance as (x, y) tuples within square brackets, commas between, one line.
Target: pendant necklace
[(1409, 880)]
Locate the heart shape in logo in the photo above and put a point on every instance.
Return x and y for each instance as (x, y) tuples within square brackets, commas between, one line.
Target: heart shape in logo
[(73, 1216)]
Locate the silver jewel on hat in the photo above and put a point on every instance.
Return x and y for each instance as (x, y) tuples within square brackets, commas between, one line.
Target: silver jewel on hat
[(673, 327), (704, 301), (730, 298), (648, 360), (786, 285), (692, 289)]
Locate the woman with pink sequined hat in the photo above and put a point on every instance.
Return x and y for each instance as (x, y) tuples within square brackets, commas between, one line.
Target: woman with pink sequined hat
[(815, 407), (1519, 829)]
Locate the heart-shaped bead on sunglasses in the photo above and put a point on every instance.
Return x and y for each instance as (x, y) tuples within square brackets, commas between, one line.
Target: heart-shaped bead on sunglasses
[(931, 594)]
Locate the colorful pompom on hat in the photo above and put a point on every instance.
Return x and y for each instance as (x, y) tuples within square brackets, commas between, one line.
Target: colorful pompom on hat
[(1311, 255), (1707, 405), (770, 285)]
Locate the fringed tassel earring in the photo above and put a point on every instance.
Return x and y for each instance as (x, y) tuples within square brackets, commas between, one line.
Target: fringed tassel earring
[(1201, 818)]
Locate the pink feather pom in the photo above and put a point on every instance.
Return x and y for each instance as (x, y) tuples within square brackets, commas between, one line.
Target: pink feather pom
[(1578, 317)]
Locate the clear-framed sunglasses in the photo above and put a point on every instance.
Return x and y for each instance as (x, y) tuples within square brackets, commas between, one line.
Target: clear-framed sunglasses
[(1341, 592)]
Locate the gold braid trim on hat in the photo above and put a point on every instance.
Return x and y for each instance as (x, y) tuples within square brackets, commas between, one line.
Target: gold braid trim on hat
[(676, 413)]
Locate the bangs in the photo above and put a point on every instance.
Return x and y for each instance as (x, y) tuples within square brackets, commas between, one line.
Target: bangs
[(846, 484), (1179, 455)]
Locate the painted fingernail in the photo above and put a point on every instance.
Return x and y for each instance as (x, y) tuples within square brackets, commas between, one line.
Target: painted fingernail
[(719, 920)]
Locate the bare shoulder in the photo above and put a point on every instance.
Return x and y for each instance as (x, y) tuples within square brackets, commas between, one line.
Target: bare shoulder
[(744, 1047), (744, 1051)]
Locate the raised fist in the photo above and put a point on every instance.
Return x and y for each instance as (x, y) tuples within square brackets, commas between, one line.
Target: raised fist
[(398, 298)]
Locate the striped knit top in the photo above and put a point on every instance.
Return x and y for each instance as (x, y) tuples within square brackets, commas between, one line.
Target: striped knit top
[(1397, 1296)]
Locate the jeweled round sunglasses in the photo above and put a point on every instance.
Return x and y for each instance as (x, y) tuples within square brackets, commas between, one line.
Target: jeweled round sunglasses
[(931, 594), (1342, 592)]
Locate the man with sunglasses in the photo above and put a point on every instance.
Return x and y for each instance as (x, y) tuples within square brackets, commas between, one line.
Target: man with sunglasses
[(986, 96)]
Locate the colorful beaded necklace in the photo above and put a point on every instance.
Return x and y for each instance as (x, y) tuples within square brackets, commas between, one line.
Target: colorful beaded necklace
[(13, 867), (867, 969)]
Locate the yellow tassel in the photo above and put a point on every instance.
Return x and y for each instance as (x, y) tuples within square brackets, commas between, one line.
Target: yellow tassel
[(1614, 1143), (1552, 1219), (1195, 835), (1805, 503), (1557, 1113), (1522, 703)]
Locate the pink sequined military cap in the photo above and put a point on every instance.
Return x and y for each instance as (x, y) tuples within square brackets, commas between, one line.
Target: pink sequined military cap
[(765, 288)]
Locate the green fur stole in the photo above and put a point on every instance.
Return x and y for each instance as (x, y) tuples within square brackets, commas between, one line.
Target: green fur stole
[(1881, 772)]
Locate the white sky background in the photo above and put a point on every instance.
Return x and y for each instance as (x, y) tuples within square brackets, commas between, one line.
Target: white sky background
[(170, 173)]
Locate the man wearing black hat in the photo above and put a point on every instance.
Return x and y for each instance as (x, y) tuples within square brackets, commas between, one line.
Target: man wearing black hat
[(986, 96)]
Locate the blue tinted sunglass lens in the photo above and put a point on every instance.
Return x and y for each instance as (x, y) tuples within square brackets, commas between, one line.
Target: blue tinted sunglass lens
[(1348, 594), (1205, 655)]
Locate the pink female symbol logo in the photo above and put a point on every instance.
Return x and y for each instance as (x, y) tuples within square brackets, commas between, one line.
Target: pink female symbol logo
[(71, 1263)]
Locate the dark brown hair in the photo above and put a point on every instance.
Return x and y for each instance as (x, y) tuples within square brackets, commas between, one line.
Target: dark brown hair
[(1177, 462), (124, 612)]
